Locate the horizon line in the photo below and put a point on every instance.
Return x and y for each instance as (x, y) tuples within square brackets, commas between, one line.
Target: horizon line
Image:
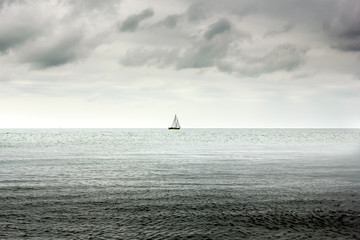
[(181, 128)]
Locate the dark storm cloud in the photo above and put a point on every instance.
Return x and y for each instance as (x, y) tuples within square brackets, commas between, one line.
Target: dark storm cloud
[(132, 22), (344, 29), (219, 27)]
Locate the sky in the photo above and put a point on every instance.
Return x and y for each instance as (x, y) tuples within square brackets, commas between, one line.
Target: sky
[(216, 64)]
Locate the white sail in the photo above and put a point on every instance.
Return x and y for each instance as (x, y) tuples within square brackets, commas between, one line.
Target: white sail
[(175, 123)]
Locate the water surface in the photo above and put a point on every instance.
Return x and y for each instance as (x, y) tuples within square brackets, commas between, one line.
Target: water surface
[(192, 183)]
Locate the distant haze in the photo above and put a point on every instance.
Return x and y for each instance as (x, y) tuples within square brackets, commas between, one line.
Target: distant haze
[(132, 63)]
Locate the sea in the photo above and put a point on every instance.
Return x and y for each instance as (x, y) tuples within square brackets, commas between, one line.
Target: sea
[(186, 184)]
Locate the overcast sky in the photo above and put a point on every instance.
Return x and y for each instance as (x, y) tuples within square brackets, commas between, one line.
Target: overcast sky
[(132, 63)]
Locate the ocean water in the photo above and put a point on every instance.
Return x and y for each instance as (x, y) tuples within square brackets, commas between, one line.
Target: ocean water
[(187, 184)]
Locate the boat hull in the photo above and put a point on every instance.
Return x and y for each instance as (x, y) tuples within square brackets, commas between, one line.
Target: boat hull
[(171, 128)]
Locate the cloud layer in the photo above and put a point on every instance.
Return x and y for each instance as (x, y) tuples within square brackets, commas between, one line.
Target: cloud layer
[(235, 37)]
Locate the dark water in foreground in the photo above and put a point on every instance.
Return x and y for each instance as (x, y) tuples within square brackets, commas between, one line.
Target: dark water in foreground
[(188, 184)]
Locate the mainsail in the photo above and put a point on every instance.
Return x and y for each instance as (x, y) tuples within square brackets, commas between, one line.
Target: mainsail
[(175, 124)]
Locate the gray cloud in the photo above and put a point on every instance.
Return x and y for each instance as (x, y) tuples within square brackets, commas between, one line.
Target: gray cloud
[(221, 26), (20, 26), (9, 2), (308, 13), (221, 52), (284, 57), (12, 36), (279, 31), (63, 50), (49, 34), (90, 8), (202, 55), (344, 29), (132, 22), (158, 57), (171, 21), (342, 18), (196, 12), (90, 5), (205, 54), (2, 2)]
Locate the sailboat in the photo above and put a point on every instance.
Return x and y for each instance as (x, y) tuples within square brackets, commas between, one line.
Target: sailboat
[(175, 125)]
